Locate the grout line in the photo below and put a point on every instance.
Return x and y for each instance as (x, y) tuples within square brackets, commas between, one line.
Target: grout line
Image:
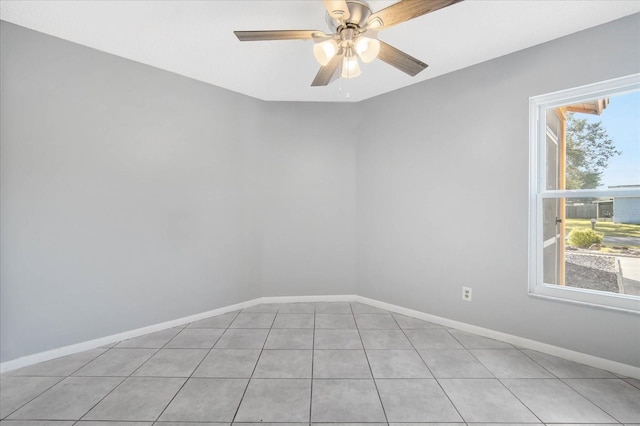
[(468, 350), (102, 399), (375, 384), (493, 374), (275, 315), (154, 354), (196, 367), (430, 371), (313, 356), (90, 361), (519, 400), (589, 399), (125, 377), (254, 368), (635, 385), (537, 363), (130, 374), (36, 396), (309, 329), (325, 378), (60, 377), (497, 378)]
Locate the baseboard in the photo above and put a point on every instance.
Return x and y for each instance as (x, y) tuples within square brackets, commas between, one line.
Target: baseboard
[(28, 360), (590, 360), (307, 299), (582, 358)]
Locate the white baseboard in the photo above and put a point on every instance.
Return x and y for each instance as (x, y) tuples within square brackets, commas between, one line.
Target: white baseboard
[(28, 360), (593, 361), (25, 361), (303, 299), (582, 358)]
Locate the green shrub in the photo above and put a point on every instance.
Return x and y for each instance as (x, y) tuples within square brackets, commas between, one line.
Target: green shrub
[(584, 237)]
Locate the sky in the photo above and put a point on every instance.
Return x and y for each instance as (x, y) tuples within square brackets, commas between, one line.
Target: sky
[(621, 119)]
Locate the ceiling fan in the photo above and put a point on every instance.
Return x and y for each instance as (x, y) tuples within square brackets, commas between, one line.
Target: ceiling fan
[(355, 36)]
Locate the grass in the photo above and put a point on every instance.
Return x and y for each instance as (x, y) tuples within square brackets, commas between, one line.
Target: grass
[(609, 229)]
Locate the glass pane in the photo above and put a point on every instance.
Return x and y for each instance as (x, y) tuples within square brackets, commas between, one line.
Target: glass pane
[(552, 164), (597, 245), (550, 229), (552, 241), (598, 143)]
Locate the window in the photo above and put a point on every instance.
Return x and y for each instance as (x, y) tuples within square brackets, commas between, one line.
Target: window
[(584, 203)]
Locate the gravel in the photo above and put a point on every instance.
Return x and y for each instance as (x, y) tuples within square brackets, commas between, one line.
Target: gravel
[(593, 272)]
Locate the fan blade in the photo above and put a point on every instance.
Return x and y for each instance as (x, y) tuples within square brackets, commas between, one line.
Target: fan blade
[(328, 72), (337, 9), (278, 35), (400, 60), (405, 10)]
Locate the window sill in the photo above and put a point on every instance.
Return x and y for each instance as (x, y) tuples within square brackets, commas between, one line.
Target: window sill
[(593, 299)]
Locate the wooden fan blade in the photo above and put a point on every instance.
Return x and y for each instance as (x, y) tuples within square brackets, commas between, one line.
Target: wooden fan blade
[(399, 59), (278, 35), (328, 73), (337, 9), (405, 10)]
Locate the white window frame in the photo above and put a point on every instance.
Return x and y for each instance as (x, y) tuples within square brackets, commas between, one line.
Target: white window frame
[(538, 193)]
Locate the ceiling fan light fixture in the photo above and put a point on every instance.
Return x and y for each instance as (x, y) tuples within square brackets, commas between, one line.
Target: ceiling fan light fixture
[(325, 51), (367, 48), (354, 37), (350, 65)]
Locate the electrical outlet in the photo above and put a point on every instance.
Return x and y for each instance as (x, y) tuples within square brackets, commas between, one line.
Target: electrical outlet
[(466, 294)]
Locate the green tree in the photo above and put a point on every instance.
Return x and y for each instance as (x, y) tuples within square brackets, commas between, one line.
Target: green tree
[(589, 149)]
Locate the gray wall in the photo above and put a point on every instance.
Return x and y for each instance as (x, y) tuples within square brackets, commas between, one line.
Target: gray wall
[(124, 195), (133, 196), (308, 208), (459, 140)]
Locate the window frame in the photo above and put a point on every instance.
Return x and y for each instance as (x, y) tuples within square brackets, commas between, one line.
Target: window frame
[(538, 106)]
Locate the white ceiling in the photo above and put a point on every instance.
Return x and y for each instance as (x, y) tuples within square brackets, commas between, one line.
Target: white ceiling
[(195, 38)]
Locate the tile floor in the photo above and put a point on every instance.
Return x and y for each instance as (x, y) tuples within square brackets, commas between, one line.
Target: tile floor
[(302, 363)]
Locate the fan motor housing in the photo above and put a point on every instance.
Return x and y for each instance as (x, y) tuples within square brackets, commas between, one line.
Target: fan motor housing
[(359, 12)]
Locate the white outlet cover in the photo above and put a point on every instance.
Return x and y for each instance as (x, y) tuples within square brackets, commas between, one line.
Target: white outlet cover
[(466, 293)]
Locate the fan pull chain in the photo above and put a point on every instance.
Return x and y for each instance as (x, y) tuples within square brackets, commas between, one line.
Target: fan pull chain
[(346, 92)]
